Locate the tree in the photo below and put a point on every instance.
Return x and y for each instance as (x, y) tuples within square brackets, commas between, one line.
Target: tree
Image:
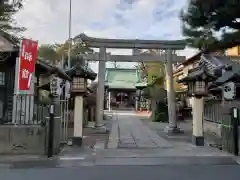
[(77, 49), (204, 20), (48, 52), (7, 21), (58, 52), (142, 68)]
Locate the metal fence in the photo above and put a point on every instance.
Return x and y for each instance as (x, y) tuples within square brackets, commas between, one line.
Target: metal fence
[(212, 111), (65, 116), (27, 110)]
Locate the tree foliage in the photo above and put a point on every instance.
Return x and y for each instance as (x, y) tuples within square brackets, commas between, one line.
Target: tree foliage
[(57, 52), (211, 22), (142, 68), (7, 19), (48, 52)]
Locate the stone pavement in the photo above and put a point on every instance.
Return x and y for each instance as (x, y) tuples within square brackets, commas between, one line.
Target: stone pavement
[(130, 132), (132, 137)]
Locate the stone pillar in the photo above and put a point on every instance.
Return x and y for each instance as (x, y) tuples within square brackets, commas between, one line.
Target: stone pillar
[(100, 87), (136, 104), (78, 121), (197, 109), (172, 127), (109, 101)]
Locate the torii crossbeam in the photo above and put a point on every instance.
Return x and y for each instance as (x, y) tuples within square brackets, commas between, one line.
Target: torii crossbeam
[(130, 43), (132, 58)]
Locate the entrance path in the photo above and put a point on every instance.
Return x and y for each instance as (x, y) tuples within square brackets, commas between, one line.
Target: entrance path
[(129, 132), (132, 137)]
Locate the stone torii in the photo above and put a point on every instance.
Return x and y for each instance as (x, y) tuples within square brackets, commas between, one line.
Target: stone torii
[(102, 57)]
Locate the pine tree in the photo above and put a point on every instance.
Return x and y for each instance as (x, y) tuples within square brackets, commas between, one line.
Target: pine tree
[(7, 22), (208, 23)]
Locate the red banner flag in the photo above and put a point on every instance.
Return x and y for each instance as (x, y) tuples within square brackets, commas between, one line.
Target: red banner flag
[(27, 61)]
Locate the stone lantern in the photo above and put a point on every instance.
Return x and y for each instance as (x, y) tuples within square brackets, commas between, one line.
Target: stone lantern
[(197, 82), (140, 102), (79, 84), (79, 75)]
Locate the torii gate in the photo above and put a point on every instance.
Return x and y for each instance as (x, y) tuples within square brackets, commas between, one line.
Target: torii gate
[(102, 57)]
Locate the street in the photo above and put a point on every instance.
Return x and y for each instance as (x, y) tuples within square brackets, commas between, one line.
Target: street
[(126, 172)]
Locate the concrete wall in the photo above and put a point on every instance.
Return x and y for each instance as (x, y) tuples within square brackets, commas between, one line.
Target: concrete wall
[(22, 139), (212, 128), (27, 139)]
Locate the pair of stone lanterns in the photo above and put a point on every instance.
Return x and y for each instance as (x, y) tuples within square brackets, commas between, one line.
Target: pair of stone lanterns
[(79, 75), (197, 81)]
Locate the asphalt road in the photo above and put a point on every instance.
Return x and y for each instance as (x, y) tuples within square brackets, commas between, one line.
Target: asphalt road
[(125, 173)]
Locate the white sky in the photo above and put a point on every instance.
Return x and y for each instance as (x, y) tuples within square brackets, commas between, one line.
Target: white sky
[(47, 20)]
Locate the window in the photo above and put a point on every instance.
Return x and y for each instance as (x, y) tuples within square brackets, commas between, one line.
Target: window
[(200, 86), (2, 78), (78, 84)]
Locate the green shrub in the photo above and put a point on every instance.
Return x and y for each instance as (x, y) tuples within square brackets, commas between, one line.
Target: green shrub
[(161, 113), (161, 117)]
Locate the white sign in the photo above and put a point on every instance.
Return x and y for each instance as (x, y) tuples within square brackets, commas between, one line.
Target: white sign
[(229, 91), (54, 86), (235, 112), (59, 88), (67, 89)]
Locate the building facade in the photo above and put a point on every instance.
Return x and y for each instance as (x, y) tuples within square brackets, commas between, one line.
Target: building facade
[(121, 90)]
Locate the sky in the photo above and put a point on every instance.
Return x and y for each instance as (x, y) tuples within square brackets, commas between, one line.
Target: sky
[(47, 21)]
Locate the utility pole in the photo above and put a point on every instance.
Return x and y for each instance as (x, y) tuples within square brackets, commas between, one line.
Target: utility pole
[(53, 96), (69, 34)]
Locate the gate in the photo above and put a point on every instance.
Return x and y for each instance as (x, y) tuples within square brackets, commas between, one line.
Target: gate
[(64, 120)]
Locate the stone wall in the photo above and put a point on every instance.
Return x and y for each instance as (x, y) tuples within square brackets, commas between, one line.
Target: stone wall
[(30, 139)]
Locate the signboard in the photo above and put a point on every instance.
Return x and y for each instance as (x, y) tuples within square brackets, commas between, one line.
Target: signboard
[(67, 89), (54, 88), (229, 91), (26, 65)]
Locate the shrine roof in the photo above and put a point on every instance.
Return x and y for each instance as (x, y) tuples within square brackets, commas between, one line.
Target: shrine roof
[(119, 78), (82, 70)]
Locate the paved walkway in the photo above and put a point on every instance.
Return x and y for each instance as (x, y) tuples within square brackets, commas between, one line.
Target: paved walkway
[(130, 132), (132, 137)]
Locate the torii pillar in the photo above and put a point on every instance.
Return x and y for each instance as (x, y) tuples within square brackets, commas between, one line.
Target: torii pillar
[(100, 87), (172, 127)]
